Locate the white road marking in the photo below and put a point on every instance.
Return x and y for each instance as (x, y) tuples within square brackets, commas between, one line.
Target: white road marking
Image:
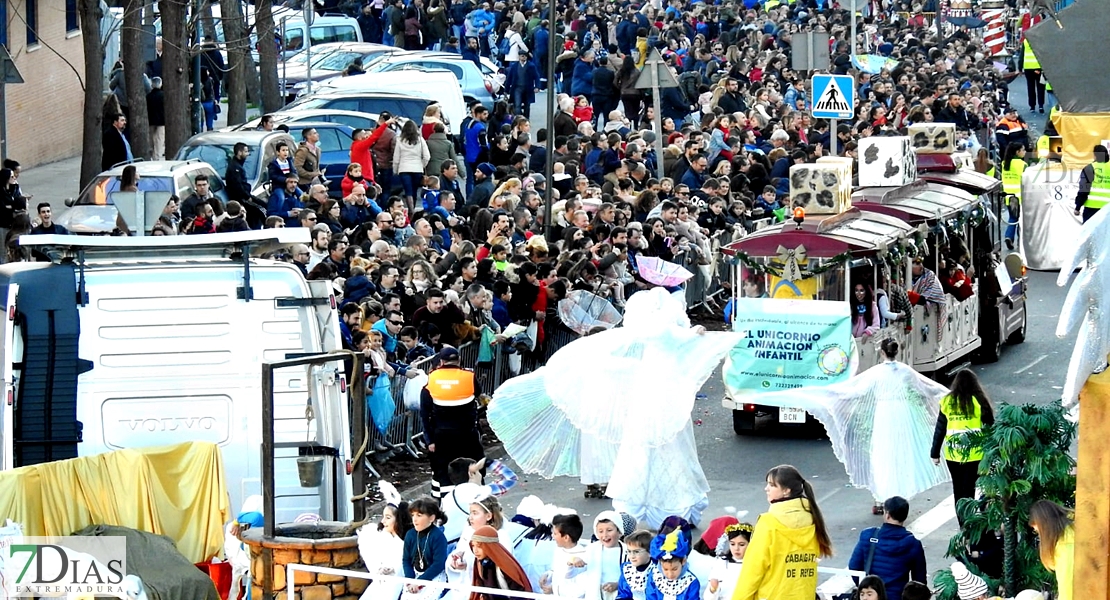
[(1030, 365), (934, 518)]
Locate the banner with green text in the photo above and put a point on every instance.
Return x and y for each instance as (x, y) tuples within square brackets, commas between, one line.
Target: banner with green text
[(788, 344)]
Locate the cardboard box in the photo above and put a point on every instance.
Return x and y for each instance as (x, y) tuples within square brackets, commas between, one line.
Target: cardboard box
[(886, 161), (933, 138), (821, 189)]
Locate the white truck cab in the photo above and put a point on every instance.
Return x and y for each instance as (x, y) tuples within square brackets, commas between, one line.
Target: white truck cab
[(144, 341)]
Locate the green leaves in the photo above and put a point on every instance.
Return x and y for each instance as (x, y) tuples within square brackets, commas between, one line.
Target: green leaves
[(1025, 459)]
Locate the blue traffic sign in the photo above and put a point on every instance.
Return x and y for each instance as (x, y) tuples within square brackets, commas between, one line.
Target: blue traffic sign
[(834, 97)]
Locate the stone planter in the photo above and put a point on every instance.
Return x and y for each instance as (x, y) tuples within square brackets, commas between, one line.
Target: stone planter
[(325, 544)]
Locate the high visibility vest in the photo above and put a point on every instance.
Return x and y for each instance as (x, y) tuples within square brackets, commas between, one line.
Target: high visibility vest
[(1100, 187), (1011, 178), (958, 424), (1047, 85), (451, 386), (1029, 60), (1042, 147)]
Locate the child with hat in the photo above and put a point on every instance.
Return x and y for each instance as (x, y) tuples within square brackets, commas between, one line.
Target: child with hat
[(669, 578), (969, 586)]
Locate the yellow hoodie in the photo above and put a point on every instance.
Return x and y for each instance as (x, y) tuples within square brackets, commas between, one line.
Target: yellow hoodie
[(781, 561), (1064, 564)]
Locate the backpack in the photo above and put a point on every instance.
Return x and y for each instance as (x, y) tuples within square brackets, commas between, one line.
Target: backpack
[(505, 45), (460, 140), (688, 82)]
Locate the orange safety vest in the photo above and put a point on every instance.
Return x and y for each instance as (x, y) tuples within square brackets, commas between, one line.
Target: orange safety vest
[(451, 386)]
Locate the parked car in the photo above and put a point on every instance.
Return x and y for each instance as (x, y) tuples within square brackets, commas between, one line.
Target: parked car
[(435, 85), (333, 61), (217, 147), (335, 149), (479, 84), (350, 118), (101, 208), (403, 105)]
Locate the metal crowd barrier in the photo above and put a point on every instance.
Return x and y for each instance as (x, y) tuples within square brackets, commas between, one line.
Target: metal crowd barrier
[(403, 435)]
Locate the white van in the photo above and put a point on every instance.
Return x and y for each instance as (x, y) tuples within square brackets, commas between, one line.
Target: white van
[(437, 85), (145, 341), (325, 30)]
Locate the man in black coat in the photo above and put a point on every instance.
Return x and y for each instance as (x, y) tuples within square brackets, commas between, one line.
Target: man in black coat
[(235, 179), (732, 101), (954, 112), (116, 147), (605, 90), (156, 113)]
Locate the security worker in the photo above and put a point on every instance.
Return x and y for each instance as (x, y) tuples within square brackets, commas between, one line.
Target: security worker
[(966, 409), (1013, 165), (1032, 68), (449, 411), (1011, 129), (1094, 185)]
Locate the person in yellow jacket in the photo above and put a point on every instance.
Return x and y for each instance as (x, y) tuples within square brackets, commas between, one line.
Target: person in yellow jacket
[(781, 561), (1013, 165), (1053, 524), (966, 409)]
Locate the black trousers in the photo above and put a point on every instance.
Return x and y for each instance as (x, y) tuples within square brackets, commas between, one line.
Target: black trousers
[(1035, 88), (964, 476)]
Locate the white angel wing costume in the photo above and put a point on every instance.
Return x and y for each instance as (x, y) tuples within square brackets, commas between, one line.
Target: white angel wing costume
[(881, 426), (644, 375), (625, 392)]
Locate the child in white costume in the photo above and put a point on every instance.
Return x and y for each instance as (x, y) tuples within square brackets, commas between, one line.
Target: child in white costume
[(726, 572), (608, 554), (566, 578)]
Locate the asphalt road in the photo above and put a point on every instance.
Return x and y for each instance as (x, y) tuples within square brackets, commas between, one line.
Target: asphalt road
[(735, 465)]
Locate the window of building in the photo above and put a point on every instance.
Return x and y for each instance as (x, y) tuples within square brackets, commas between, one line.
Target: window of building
[(72, 22), (31, 16)]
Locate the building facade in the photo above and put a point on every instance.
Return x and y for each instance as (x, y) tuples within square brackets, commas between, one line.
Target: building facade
[(43, 115)]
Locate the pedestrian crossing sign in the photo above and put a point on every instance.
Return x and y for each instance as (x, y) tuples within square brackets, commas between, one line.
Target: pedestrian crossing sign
[(834, 97)]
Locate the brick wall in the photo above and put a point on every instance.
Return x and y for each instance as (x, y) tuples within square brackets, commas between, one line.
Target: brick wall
[(44, 112)]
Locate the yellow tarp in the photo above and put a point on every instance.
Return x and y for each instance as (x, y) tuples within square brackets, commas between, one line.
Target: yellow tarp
[(1081, 133), (178, 491)]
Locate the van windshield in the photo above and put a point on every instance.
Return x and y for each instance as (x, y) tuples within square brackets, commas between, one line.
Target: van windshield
[(106, 184)]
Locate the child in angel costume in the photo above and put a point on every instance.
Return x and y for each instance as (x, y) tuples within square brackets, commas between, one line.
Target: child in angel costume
[(382, 546), (726, 572), (668, 578), (607, 554), (616, 406), (880, 423)]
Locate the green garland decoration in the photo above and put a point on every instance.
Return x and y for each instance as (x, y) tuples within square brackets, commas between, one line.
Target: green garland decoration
[(766, 269)]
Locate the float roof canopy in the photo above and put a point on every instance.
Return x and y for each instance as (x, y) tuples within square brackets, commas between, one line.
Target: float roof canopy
[(1069, 54)]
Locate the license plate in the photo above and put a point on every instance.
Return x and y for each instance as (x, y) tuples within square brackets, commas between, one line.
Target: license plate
[(792, 415)]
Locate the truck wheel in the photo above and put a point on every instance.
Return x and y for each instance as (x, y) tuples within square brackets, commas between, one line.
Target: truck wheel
[(1018, 336), (743, 423)]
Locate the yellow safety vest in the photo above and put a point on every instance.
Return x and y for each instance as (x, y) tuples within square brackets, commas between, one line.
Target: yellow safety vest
[(451, 386), (1042, 147), (1011, 178), (1029, 60), (1100, 187), (958, 424), (1047, 85)]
